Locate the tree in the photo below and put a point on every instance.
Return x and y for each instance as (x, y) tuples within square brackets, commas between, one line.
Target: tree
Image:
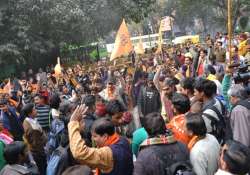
[(31, 30)]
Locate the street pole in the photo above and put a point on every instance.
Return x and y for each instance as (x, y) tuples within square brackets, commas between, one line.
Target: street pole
[(229, 28)]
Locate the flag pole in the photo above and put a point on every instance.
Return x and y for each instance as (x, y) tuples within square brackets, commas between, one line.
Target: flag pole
[(229, 28)]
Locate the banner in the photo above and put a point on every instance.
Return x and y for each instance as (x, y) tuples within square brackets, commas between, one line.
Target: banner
[(166, 24), (123, 44)]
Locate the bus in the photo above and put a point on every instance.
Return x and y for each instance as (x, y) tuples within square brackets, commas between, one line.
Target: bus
[(148, 41)]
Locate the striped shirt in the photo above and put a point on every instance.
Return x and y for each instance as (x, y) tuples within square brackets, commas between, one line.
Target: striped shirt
[(43, 116)]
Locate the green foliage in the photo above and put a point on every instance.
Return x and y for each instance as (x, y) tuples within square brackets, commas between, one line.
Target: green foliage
[(33, 30)]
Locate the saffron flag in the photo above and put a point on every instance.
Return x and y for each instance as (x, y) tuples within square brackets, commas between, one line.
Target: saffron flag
[(123, 44), (58, 69), (140, 49)]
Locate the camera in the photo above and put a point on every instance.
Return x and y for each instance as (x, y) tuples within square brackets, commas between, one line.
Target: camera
[(243, 73)]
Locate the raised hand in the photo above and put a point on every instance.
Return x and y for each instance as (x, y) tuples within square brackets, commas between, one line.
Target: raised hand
[(79, 113)]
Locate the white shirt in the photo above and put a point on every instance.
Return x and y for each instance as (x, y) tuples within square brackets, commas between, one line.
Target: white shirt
[(204, 156), (222, 172)]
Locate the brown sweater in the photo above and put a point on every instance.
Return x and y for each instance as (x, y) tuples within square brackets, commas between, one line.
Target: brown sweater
[(36, 139)]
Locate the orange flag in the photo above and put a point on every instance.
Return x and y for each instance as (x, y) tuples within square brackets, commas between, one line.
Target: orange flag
[(58, 69), (140, 49), (123, 44)]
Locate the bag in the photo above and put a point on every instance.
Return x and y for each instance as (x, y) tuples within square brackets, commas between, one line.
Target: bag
[(178, 168), (58, 161), (57, 128), (220, 128)]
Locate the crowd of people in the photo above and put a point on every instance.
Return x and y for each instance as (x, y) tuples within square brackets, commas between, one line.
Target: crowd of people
[(184, 111)]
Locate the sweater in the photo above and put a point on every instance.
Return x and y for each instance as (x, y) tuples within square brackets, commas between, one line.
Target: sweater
[(204, 156), (138, 137)]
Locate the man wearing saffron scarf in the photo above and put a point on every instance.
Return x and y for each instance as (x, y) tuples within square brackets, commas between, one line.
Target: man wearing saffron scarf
[(113, 155)]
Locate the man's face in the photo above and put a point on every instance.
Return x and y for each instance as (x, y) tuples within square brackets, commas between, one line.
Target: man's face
[(98, 139), (65, 90), (167, 90), (34, 112), (80, 73), (183, 91), (233, 100), (198, 95), (117, 119), (37, 100), (128, 79), (187, 61)]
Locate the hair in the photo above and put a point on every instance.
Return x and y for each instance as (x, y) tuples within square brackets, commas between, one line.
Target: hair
[(181, 103), (55, 101), (239, 91), (204, 51), (207, 86), (113, 107), (27, 109), (103, 126), (210, 69), (40, 96), (154, 124), (12, 151), (170, 82), (196, 124), (188, 83), (78, 170), (219, 42), (237, 157), (89, 100)]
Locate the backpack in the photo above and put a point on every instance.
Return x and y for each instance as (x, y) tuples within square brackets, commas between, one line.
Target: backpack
[(221, 128), (58, 161), (54, 136), (177, 168)]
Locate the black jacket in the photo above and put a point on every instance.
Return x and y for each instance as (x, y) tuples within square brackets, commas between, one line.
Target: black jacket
[(148, 161), (149, 100)]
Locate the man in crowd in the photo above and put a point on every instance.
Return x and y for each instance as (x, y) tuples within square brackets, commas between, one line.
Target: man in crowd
[(43, 111), (149, 98), (212, 108), (113, 155), (160, 148), (240, 114), (234, 159)]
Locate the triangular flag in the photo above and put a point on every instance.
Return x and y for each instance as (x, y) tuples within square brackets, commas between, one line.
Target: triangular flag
[(7, 87), (140, 49), (123, 44), (58, 69)]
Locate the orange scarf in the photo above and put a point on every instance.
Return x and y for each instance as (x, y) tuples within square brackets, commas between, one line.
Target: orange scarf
[(192, 142), (110, 141)]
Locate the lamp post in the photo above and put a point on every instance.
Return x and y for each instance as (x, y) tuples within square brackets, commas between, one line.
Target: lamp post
[(229, 28)]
